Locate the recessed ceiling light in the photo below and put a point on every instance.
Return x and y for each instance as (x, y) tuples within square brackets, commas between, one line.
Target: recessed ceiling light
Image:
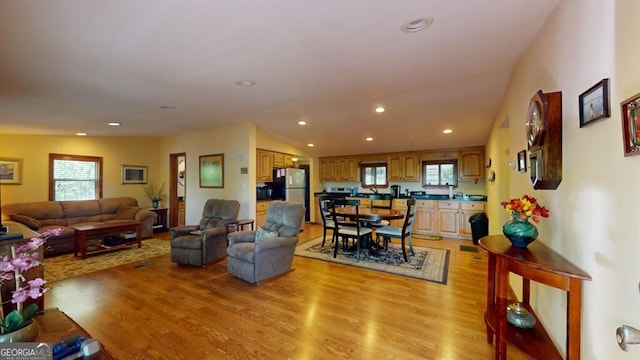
[(167, 107), (417, 24), (294, 159), (310, 145), (447, 131), (380, 109), (113, 123), (369, 139), (302, 122), (245, 83), (81, 134)]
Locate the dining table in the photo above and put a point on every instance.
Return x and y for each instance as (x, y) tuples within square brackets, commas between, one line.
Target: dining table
[(367, 214), (370, 214)]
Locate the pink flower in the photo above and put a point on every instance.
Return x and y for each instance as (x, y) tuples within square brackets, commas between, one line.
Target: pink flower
[(26, 257)]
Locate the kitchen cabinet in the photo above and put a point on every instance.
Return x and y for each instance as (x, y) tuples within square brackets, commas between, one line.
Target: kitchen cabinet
[(467, 210), (288, 161), (278, 160), (403, 167), (339, 169), (364, 202), (471, 165), (324, 173), (448, 219), (348, 169), (425, 220), (264, 161), (400, 205), (261, 212)]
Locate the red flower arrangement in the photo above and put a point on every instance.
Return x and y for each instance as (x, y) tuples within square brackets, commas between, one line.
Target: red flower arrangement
[(525, 208)]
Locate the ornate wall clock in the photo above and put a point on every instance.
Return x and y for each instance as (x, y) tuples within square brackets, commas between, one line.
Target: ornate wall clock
[(544, 140)]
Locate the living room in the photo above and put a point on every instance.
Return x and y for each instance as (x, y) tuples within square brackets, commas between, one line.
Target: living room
[(592, 212)]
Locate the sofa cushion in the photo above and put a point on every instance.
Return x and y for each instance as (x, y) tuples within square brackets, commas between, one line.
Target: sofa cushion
[(30, 222), (126, 213), (109, 207), (81, 211), (243, 251)]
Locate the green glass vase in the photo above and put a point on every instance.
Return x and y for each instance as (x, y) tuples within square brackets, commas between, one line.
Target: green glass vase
[(520, 231)]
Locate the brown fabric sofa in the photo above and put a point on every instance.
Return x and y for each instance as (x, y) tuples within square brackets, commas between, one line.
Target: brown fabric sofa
[(44, 215)]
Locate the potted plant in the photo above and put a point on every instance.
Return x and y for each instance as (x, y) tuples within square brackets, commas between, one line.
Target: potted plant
[(155, 195), (19, 322)]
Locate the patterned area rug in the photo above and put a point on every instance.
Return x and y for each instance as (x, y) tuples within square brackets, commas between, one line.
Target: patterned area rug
[(429, 264), (65, 266)]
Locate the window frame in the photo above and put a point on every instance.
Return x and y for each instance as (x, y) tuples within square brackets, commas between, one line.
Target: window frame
[(364, 166), (54, 157), (439, 162)]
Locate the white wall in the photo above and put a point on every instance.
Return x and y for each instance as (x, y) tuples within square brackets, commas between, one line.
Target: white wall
[(593, 213), (237, 143)]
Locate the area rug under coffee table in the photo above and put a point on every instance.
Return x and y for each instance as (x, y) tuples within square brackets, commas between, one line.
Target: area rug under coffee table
[(65, 266), (429, 264)]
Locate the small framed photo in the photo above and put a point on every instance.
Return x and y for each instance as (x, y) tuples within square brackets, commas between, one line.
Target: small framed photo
[(631, 125), (522, 161), (134, 174), (212, 171), (594, 103), (11, 171)]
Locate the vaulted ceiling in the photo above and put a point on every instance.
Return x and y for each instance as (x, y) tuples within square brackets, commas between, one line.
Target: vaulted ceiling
[(166, 67)]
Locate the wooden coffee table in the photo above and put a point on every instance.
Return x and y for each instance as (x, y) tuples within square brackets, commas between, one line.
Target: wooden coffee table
[(86, 231)]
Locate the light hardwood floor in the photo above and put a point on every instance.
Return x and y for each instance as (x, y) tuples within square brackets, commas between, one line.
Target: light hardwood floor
[(320, 310)]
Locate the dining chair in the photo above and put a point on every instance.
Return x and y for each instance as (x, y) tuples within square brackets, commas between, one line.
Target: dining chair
[(349, 228), (327, 219), (380, 201), (402, 233)]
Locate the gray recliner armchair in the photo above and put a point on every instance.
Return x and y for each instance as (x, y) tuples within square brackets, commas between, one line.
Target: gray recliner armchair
[(201, 244), (255, 258)]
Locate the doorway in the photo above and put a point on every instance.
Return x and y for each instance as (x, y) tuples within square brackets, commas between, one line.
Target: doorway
[(177, 189)]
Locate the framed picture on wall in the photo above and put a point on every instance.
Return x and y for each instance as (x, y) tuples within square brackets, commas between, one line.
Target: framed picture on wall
[(522, 161), (212, 171), (631, 125), (594, 103), (11, 171), (134, 174)]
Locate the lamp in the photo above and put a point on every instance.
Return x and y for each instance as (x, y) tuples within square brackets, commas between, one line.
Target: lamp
[(4, 234)]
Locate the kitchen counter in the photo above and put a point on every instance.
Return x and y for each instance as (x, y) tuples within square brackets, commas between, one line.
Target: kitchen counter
[(441, 197)]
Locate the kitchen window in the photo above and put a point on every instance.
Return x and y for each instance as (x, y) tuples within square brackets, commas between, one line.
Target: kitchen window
[(374, 175), (439, 173), (73, 177)]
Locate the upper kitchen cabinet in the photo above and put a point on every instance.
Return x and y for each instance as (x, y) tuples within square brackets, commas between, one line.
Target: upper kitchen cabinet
[(403, 167), (288, 161), (264, 161), (471, 165), (278, 160), (339, 169)]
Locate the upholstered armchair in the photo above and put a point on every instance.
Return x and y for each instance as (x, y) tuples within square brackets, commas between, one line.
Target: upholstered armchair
[(258, 255), (201, 244)]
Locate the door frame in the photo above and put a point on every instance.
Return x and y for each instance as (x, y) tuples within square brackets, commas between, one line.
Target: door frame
[(173, 188)]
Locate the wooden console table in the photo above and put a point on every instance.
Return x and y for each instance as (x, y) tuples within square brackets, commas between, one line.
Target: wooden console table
[(540, 264), (56, 326)]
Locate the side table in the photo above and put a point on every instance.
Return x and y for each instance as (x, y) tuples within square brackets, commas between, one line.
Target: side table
[(161, 222), (239, 225), (537, 263)]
